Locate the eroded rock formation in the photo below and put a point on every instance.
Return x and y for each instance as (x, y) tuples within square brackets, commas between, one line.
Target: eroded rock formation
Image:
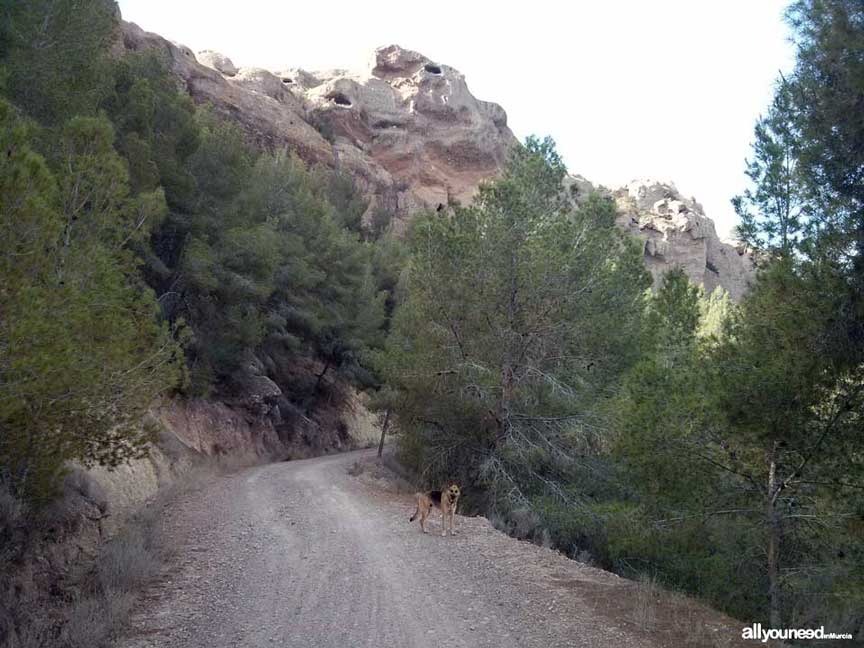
[(413, 136), (676, 232), (406, 128)]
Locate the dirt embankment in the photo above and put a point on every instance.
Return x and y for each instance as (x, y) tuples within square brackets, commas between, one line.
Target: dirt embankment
[(80, 562)]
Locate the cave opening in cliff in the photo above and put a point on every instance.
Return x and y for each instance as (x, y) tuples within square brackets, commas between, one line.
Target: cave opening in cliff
[(287, 81), (432, 69), (341, 100)]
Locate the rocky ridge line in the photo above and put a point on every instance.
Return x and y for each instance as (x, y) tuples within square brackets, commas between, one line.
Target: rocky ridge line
[(413, 137)]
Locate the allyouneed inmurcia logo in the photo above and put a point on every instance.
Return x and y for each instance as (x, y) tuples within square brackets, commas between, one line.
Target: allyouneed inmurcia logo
[(757, 633)]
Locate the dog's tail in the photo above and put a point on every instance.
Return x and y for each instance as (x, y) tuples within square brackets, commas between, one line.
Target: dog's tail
[(417, 510)]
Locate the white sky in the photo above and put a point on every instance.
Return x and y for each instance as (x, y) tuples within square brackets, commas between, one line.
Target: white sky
[(668, 89)]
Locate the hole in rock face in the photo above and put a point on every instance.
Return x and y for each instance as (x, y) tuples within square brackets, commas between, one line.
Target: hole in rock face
[(384, 124), (287, 81), (432, 69), (341, 100)]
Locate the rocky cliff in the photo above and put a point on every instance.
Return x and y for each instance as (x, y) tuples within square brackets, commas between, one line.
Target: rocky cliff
[(413, 136), (405, 127), (675, 231), (205, 432)]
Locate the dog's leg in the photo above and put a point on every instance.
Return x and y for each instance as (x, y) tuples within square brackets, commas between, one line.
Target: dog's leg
[(423, 515), (443, 522), (453, 521)]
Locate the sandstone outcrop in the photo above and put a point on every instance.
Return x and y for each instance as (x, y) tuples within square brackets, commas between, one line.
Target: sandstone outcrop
[(412, 136), (406, 128), (676, 232), (418, 121), (218, 62)]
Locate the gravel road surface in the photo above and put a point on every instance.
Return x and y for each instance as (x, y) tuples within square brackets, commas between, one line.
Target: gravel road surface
[(303, 554)]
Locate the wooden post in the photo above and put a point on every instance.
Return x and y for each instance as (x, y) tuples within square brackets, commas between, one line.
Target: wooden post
[(383, 432)]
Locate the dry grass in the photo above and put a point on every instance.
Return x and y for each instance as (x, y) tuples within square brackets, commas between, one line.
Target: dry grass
[(391, 462), (645, 599), (129, 560), (647, 608), (525, 524), (32, 635), (88, 604), (78, 482), (94, 622), (106, 590), (384, 473)]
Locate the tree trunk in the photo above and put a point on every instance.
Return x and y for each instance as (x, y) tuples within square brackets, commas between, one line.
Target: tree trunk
[(383, 432), (774, 533), (502, 407), (321, 376)]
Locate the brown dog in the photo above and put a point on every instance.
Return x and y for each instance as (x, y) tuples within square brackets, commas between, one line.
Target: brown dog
[(446, 502)]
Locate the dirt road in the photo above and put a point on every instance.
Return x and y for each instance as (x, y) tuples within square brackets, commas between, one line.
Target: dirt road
[(303, 554)]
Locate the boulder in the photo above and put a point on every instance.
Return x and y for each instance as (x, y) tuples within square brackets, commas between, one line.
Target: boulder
[(218, 62)]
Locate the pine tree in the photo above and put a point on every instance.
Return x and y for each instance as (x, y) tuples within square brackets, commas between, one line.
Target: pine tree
[(825, 92), (83, 351), (793, 415), (518, 314), (792, 358), (56, 56), (774, 213), (661, 404)]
